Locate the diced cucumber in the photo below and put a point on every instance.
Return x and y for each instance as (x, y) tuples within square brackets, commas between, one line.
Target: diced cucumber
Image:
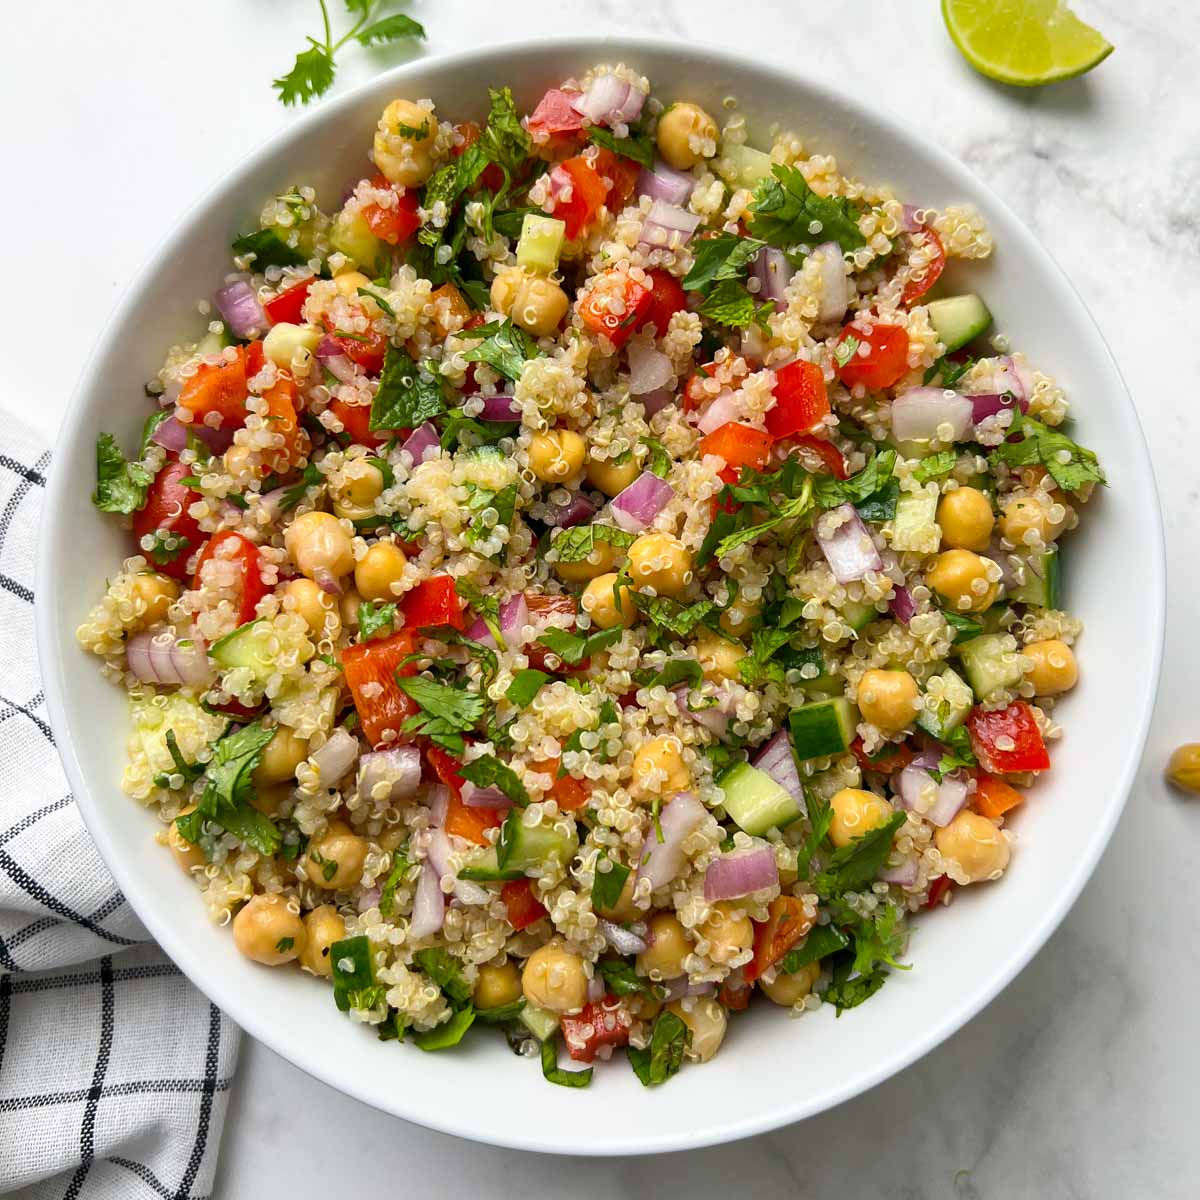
[(858, 615), (991, 664), (214, 343), (1043, 582), (958, 319), (247, 646), (755, 802), (486, 869), (749, 165), (525, 848), (539, 1021), (939, 718), (352, 236), (823, 727), (540, 242), (915, 527)]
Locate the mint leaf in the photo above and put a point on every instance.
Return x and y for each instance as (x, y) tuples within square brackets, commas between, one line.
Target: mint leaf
[(491, 772), (663, 1057), (445, 972), (786, 212), (575, 544), (671, 615), (374, 619), (553, 1073), (637, 146), (730, 304), (406, 398), (449, 1034), (725, 256), (505, 347)]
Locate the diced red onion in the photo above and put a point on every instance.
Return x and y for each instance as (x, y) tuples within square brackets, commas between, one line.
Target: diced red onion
[(484, 797), (635, 507), (514, 616), (904, 872), (399, 768), (327, 582), (429, 904), (656, 401), (668, 225), (712, 716), (239, 308), (335, 757), (1001, 375), (739, 873), (369, 899), (499, 408), (1010, 574), (902, 605), (172, 434), (988, 404), (777, 760), (269, 502), (649, 368), (439, 804), (665, 183), (421, 441), (835, 283), (773, 272), (681, 986), (595, 989), (661, 861), (623, 941), (336, 360), (917, 415), (163, 658), (848, 549), (437, 851), (951, 793), (576, 510), (722, 409), (610, 100)]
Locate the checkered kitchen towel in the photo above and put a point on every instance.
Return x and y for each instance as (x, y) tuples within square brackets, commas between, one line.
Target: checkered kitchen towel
[(114, 1070)]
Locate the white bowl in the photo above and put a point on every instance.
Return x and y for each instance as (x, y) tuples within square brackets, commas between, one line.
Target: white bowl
[(770, 1071)]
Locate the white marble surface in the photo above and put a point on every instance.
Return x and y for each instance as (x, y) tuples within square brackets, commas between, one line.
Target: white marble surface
[(1081, 1079)]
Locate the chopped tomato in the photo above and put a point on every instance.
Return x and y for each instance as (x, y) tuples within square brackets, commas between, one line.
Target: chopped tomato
[(718, 505), (832, 458), (993, 797), (892, 758), (554, 113), (397, 222), (694, 394), (735, 996), (281, 401), (666, 299), (370, 669), (885, 359), (450, 309), (569, 793), (631, 299), (434, 602), (739, 445), (916, 288), (580, 186), (166, 509), (523, 906), (288, 306), (471, 824), (367, 349), (1007, 740), (605, 1022), (937, 889), (232, 547), (775, 936), (624, 174), (356, 419), (542, 605), (219, 388), (801, 403)]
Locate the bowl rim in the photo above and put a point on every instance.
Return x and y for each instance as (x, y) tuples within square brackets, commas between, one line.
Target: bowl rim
[(157, 920)]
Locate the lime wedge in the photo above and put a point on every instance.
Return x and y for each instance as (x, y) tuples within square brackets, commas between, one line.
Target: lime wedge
[(1026, 42)]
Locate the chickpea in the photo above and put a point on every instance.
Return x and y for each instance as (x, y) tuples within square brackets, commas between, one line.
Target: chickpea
[(966, 518), (787, 990), (727, 932), (611, 477), (740, 617), (1026, 522), (600, 561), (556, 455), (319, 546), (888, 699), (348, 283), (189, 857), (686, 134), (601, 605), (1054, 670), (497, 986), (624, 909), (554, 979), (960, 576), (644, 1007), (157, 592), (660, 561), (1183, 767), (348, 603), (355, 489), (666, 948), (374, 573), (719, 657), (289, 345), (856, 812), (974, 846), (241, 463), (280, 758), (659, 769), (403, 148), (335, 859), (318, 608), (269, 799), (707, 1020), (268, 932), (324, 926), (535, 303)]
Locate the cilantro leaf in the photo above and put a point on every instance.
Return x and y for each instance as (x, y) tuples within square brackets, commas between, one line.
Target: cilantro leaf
[(504, 502), (659, 462), (491, 772), (525, 685), (729, 303), (725, 256), (663, 1057), (606, 891), (311, 75), (789, 510), (873, 478), (757, 668), (293, 494), (189, 771), (786, 212), (447, 712), (390, 29), (504, 139), (671, 615), (400, 867), (821, 942), (488, 607), (575, 544), (935, 465), (820, 817), (637, 146), (573, 648), (855, 865), (553, 1073), (374, 619), (504, 347), (1072, 466), (880, 506), (845, 992), (406, 398), (674, 672), (445, 972), (120, 485), (951, 372)]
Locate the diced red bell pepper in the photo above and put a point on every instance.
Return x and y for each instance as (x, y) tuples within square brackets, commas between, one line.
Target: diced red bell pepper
[(232, 547), (916, 288), (694, 394), (554, 113), (368, 349), (524, 908), (774, 937), (833, 459), (288, 306), (937, 889), (356, 420), (569, 793), (383, 707), (1008, 739), (581, 186), (605, 1022), (892, 758), (434, 602), (885, 360), (470, 824), (397, 222), (801, 402), (166, 508), (449, 304), (667, 298), (993, 797), (635, 302), (739, 445), (219, 388)]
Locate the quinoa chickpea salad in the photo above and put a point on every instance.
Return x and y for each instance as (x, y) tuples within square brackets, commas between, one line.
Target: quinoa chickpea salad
[(589, 579)]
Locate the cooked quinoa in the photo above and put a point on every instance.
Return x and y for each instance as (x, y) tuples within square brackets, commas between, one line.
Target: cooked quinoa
[(597, 574)]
